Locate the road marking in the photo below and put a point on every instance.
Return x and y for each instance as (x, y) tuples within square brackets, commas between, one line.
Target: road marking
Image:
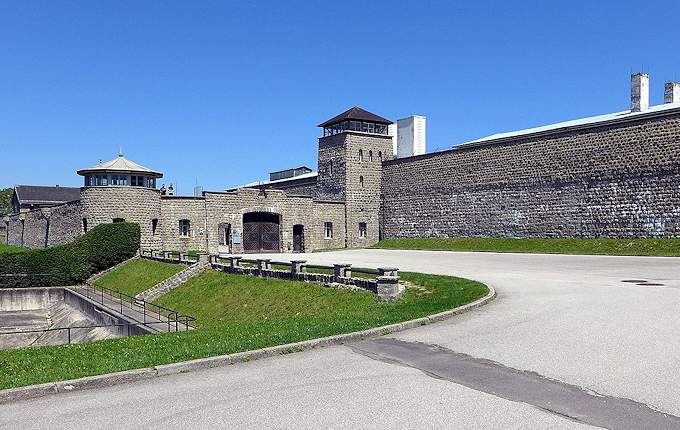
[(550, 395)]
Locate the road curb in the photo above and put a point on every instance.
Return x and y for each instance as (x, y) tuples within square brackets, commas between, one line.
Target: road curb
[(41, 390)]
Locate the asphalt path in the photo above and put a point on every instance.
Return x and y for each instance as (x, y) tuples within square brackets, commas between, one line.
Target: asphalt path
[(567, 319)]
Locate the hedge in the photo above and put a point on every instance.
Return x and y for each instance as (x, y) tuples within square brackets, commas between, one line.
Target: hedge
[(100, 248)]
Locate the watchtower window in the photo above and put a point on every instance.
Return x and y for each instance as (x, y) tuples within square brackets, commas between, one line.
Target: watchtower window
[(184, 227), (361, 155), (154, 226)]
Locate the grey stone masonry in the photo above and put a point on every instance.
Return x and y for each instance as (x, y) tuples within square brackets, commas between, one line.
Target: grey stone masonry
[(389, 289), (175, 280), (671, 92), (609, 180)]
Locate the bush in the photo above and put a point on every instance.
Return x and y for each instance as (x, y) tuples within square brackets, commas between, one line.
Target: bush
[(100, 248)]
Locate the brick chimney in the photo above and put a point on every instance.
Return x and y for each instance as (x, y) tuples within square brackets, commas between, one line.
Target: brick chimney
[(639, 92), (671, 92)]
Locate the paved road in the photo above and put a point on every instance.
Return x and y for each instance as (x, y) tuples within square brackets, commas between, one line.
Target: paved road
[(567, 318)]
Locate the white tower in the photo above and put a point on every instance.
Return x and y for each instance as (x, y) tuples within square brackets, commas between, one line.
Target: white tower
[(411, 136)]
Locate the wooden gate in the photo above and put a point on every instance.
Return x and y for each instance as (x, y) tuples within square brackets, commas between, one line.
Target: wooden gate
[(261, 232)]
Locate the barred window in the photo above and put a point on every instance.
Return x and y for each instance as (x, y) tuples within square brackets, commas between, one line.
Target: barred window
[(328, 230), (184, 227)]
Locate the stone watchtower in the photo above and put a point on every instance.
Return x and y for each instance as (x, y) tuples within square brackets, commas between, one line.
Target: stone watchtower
[(122, 190), (351, 151)]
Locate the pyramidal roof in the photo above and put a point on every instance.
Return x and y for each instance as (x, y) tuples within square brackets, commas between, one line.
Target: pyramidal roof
[(122, 165), (355, 113)]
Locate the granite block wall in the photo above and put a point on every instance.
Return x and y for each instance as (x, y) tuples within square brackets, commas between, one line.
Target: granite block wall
[(613, 180), (65, 223), (176, 208)]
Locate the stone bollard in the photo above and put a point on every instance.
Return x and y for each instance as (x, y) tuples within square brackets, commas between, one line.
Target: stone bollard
[(167, 255), (342, 271), (235, 262), (388, 271), (203, 258), (388, 288), (264, 264), (298, 266), (182, 256)]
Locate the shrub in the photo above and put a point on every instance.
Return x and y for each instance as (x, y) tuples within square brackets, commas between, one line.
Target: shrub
[(102, 247)]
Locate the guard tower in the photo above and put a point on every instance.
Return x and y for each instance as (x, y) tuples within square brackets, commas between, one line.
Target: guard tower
[(120, 172), (351, 152)]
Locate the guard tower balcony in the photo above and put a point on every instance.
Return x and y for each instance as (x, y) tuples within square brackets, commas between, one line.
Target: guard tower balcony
[(358, 120), (120, 172)]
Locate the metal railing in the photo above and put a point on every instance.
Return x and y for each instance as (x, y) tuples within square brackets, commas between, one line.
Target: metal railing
[(69, 329), (146, 310)]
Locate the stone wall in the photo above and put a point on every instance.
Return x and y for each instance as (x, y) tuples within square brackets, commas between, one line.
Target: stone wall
[(229, 208), (65, 223), (102, 205), (36, 223), (611, 180), (176, 208), (15, 230), (3, 230)]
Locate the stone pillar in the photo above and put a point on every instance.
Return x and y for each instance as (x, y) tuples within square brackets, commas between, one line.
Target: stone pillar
[(167, 255), (388, 271), (639, 92), (388, 288), (234, 262), (264, 264), (298, 266), (671, 92), (203, 258), (343, 270), (182, 256)]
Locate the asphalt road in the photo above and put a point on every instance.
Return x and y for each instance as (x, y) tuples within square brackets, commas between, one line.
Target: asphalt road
[(566, 319)]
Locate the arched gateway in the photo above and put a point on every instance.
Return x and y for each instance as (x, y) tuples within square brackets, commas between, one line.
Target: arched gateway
[(261, 232)]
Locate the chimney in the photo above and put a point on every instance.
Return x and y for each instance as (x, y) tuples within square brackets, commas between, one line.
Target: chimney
[(671, 92), (639, 92)]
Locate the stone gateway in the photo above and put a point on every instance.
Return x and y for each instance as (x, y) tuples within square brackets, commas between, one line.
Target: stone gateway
[(614, 175)]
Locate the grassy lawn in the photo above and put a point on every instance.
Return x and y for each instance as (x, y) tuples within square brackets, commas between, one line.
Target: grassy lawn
[(138, 275), (238, 313), (657, 247), (11, 248)]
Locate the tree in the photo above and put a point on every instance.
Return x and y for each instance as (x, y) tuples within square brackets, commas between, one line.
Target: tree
[(6, 201)]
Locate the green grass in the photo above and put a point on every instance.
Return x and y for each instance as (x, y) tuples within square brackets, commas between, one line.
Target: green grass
[(238, 313), (657, 247), (11, 249), (138, 275)]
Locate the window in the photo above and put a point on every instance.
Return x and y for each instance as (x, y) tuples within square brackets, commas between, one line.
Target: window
[(137, 181), (118, 220), (370, 155), (362, 230), (380, 155), (361, 181), (330, 168), (84, 225), (154, 226), (361, 155), (328, 230), (184, 227)]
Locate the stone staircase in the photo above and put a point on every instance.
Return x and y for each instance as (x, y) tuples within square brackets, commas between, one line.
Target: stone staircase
[(174, 281)]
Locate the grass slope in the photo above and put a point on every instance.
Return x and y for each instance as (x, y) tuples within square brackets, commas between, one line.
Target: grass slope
[(238, 313), (11, 248), (657, 247), (138, 275)]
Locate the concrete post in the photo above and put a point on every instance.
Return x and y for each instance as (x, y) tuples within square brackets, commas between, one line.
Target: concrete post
[(264, 264), (342, 271), (298, 266), (203, 258), (234, 262), (388, 271), (388, 288)]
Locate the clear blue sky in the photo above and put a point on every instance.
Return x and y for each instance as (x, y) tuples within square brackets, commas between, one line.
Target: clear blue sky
[(224, 92)]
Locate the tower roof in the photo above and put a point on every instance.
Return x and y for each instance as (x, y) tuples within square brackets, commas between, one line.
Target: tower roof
[(120, 164), (357, 114)]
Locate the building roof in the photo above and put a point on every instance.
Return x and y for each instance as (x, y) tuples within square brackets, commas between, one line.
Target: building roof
[(357, 114), (578, 123), (45, 195), (122, 165), (292, 168), (278, 181)]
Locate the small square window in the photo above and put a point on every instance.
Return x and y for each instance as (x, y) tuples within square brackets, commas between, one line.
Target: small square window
[(184, 227), (328, 230)]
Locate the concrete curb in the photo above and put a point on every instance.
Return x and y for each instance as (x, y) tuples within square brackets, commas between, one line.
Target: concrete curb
[(40, 390)]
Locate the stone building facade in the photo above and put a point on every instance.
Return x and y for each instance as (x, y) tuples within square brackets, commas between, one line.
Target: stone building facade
[(615, 175)]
